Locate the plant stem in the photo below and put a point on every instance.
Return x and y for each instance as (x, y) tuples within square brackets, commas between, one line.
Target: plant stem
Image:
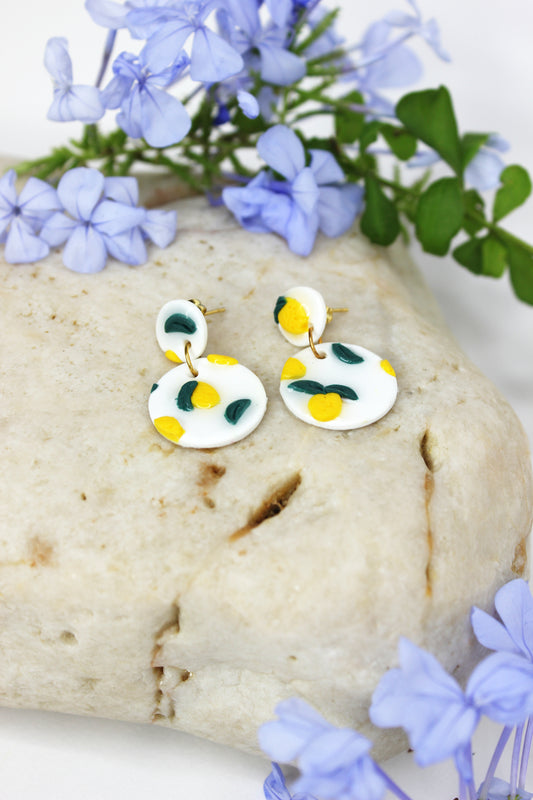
[(500, 747), (525, 753)]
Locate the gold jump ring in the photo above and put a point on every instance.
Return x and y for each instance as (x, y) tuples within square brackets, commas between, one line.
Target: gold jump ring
[(191, 366), (312, 345)]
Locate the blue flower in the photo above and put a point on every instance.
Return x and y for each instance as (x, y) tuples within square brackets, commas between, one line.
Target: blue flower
[(275, 788), (113, 15), (93, 225), (168, 28), (501, 687), (311, 198), (264, 49), (514, 634), (333, 762), (147, 111), (429, 704), (483, 172), (71, 101), (413, 25), (22, 216)]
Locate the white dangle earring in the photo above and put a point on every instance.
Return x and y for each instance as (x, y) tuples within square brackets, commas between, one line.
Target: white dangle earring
[(332, 385), (203, 402)]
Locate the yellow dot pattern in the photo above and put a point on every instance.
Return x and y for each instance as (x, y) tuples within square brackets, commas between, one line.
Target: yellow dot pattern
[(387, 367), (214, 358), (292, 369), (171, 355), (293, 317), (170, 428), (325, 407), (204, 396)]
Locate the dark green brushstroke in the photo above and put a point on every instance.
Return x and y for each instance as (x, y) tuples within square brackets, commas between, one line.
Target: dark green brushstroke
[(183, 399), (180, 323), (346, 355), (235, 410), (344, 391), (281, 302), (154, 387), (308, 387)]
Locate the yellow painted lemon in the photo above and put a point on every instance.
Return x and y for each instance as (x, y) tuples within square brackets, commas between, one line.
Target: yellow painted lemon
[(293, 369), (204, 396), (170, 428), (325, 407), (214, 358), (171, 355), (293, 317)]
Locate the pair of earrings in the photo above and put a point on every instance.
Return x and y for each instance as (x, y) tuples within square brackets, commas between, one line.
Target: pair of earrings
[(215, 401)]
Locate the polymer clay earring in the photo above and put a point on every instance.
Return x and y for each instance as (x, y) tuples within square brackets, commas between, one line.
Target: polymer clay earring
[(332, 385), (203, 402)]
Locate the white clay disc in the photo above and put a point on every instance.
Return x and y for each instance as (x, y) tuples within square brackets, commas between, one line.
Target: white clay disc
[(180, 321), (222, 405), (296, 310), (350, 388)]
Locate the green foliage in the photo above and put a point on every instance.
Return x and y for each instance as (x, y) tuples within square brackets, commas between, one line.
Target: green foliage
[(439, 215), (515, 189), (429, 116), (380, 220)]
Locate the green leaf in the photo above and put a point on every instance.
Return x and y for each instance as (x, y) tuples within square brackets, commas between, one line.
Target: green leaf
[(429, 116), (439, 215), (307, 387), (369, 134), (515, 189), (470, 255), (184, 398), (349, 124), (471, 144), (346, 392), (401, 142), (521, 268), (281, 302), (474, 206), (494, 256), (180, 323), (346, 355), (380, 218), (235, 410)]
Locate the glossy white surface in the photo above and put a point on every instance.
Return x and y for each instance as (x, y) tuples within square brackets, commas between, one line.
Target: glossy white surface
[(46, 756)]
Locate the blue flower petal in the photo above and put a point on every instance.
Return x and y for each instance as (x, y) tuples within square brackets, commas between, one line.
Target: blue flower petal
[(274, 787), (501, 687), (280, 11), (160, 226), (213, 59), (248, 104), (116, 91), (247, 203), (57, 229), (8, 191), (161, 48), (123, 190), (298, 724), (22, 245), (338, 208), (483, 172), (112, 218), (80, 190), (107, 13), (57, 61), (85, 250), (399, 67), (325, 167), (282, 150), (305, 192), (38, 200), (128, 247), (279, 66), (130, 116), (164, 120)]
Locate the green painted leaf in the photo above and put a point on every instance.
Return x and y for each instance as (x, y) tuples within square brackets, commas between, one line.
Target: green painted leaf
[(307, 387), (380, 220), (439, 215), (470, 255), (521, 268), (494, 257), (183, 400), (281, 302), (429, 116), (235, 410), (471, 144), (154, 387), (401, 142), (515, 189), (349, 124), (344, 391), (180, 323), (346, 355)]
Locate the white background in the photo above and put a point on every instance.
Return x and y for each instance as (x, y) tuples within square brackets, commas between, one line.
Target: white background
[(45, 755)]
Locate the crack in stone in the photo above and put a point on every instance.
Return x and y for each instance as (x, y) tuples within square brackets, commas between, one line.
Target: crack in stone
[(429, 487), (163, 704), (271, 507)]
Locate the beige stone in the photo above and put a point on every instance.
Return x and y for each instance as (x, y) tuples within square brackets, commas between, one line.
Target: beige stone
[(196, 589)]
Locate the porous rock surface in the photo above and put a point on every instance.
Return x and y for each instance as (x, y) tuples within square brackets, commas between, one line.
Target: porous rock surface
[(196, 589)]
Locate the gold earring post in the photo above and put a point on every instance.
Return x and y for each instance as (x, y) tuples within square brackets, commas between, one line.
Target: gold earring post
[(331, 311), (203, 308)]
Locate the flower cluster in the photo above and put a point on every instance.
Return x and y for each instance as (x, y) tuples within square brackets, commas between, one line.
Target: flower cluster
[(202, 88), (437, 714), (91, 215)]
